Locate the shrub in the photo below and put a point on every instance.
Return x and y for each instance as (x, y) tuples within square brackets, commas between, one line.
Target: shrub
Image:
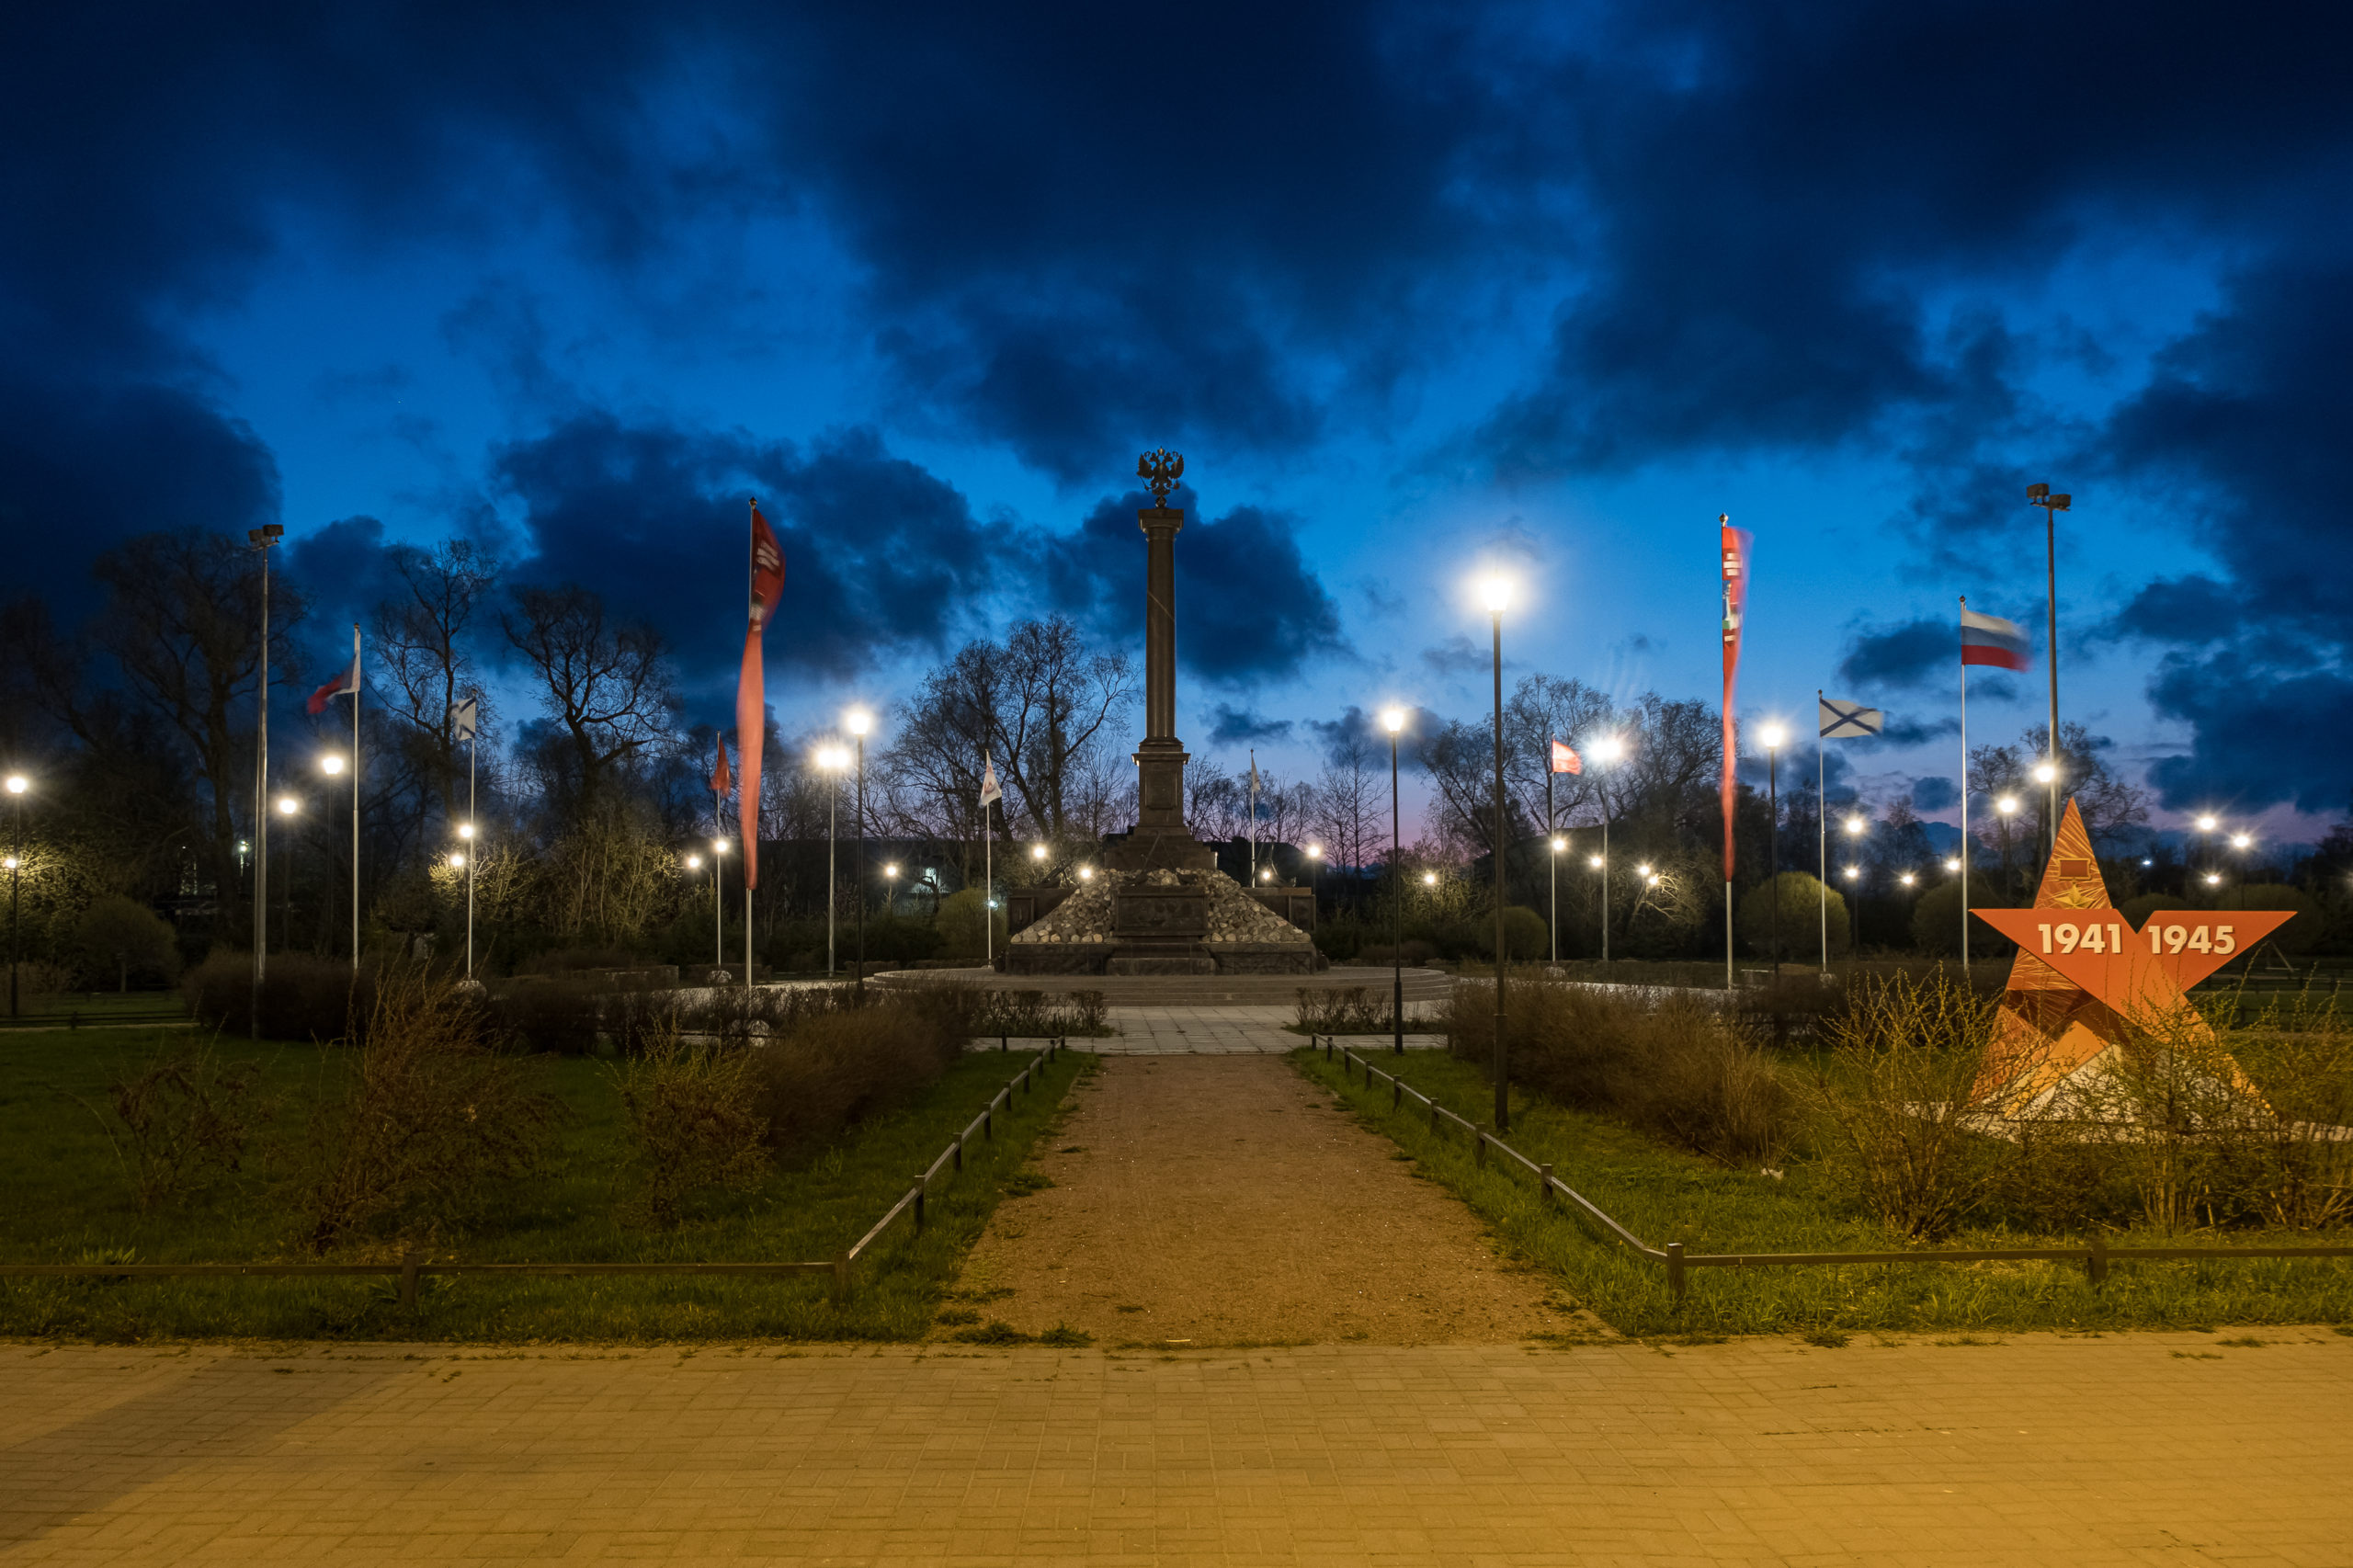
[(2138, 910), (1899, 1093), (430, 1123), (836, 1069), (559, 1016), (1339, 1010), (182, 1123), (302, 998), (117, 939), (692, 1125), (1670, 1065), (1801, 900), (1525, 934), (1936, 921), (2298, 935), (1412, 953), (960, 928)]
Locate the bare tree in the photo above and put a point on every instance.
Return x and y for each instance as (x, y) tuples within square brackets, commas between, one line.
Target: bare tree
[(1042, 705), (423, 642), (608, 687), (1347, 807)]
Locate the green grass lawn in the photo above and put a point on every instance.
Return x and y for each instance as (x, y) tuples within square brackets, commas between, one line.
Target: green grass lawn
[(68, 1199), (1664, 1195)]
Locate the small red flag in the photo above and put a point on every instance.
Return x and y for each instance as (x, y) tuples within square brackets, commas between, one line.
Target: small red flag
[(1565, 759), (343, 685), (721, 780)]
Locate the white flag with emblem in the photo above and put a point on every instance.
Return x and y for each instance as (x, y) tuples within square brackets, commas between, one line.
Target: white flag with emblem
[(990, 793)]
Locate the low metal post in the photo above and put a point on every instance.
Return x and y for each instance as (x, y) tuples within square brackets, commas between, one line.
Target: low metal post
[(1544, 1182), (1482, 1150), (959, 1150), (841, 1276), (2097, 1264), (408, 1279), (1434, 1116), (1675, 1271), (1396, 1091), (922, 1185), (1000, 1043), (988, 1122)]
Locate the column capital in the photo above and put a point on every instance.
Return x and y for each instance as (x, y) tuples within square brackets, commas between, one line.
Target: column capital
[(1151, 517)]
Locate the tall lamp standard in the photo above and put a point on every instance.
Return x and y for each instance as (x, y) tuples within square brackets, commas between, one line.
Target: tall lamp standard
[(1560, 847), (1314, 882), (1497, 595), (1394, 720), (2040, 495), (262, 539), (2207, 822), (331, 765), (1775, 738), (286, 807), (1856, 828), (466, 834), (719, 905), (859, 721), (18, 785), (832, 759), (1607, 749)]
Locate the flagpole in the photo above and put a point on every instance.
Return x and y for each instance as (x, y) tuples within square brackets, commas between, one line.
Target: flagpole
[(1254, 818), (1554, 853), (355, 684), (1965, 856), (1821, 830), (988, 870), (718, 864)]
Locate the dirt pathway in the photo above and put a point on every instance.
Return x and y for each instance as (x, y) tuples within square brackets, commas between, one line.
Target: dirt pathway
[(1222, 1200)]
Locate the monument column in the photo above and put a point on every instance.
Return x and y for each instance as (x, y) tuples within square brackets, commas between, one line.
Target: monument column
[(1161, 837)]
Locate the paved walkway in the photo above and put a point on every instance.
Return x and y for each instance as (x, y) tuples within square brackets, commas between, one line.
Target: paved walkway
[(1224, 1199), (2133, 1449), (1228, 1029)]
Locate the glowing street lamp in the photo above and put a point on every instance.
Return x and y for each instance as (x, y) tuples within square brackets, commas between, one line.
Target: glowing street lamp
[(1607, 749), (857, 720), (16, 785), (694, 863), (1429, 879), (1859, 826), (1775, 737), (1906, 878), (1853, 872), (331, 765), (832, 759), (456, 861), (1495, 593), (2241, 840), (1594, 862), (1086, 873), (1952, 863), (1394, 720)]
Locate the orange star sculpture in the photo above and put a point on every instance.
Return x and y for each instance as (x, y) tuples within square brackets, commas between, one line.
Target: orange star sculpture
[(2083, 976)]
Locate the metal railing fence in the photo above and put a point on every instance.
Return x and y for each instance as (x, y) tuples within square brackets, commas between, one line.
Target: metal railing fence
[(2095, 1255)]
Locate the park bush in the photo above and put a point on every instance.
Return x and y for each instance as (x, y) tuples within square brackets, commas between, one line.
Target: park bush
[(831, 1070), (1802, 916), (693, 1125), (430, 1125), (1672, 1065), (118, 942), (962, 933), (1936, 922), (302, 997), (181, 1123), (1526, 935)]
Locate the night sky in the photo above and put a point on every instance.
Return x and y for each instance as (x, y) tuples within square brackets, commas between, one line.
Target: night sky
[(1416, 290)]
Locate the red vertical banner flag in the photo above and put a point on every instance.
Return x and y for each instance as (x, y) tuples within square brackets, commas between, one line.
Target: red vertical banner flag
[(751, 690), (1736, 546)]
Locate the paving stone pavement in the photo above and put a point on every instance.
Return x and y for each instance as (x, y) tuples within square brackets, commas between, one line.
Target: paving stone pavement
[(2126, 1449), (1215, 1029)]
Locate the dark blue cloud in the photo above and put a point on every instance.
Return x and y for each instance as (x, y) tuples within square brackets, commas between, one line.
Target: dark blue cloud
[(879, 555), (1248, 606), (1935, 794), (1905, 730), (345, 575), (1901, 655), (2193, 609), (1235, 726), (2261, 734)]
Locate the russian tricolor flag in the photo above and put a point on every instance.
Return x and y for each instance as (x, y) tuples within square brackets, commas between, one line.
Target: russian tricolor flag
[(1990, 639)]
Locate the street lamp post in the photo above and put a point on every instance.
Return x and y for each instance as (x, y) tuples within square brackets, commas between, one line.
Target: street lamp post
[(1554, 869), (2040, 495), (859, 723), (718, 905), (262, 539), (1775, 737), (1609, 748), (1497, 595), (331, 765), (286, 807), (2005, 808), (18, 785), (1392, 721), (1856, 828), (1315, 880), (832, 759)]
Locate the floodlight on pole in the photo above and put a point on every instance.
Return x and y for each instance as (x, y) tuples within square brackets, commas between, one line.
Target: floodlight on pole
[(331, 765), (1086, 873), (2007, 805), (1906, 878), (694, 863), (466, 830), (287, 805), (1593, 862), (1853, 872), (1858, 825), (17, 786), (2044, 773), (2241, 840), (1394, 720), (1952, 863), (2208, 823), (1429, 879)]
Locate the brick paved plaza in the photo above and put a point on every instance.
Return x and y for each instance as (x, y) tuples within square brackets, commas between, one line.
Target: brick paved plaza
[(2144, 1449)]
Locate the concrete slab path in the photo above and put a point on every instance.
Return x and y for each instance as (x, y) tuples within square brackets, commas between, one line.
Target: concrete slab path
[(2135, 1449), (1212, 1028)]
